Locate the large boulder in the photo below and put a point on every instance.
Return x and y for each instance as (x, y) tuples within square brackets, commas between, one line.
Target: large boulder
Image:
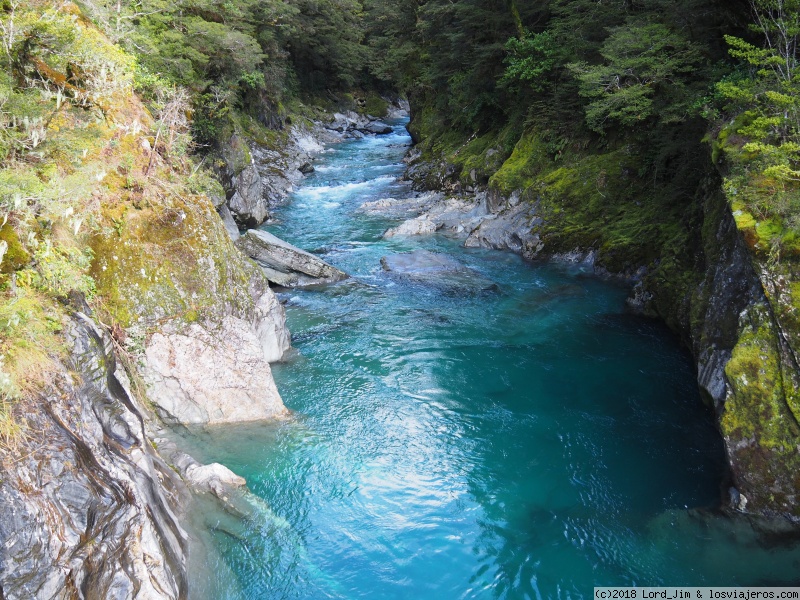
[(400, 207), (248, 204), (376, 128), (436, 270), (199, 375), (285, 264), (352, 124), (419, 226)]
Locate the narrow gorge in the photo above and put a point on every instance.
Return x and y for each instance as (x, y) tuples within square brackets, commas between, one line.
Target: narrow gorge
[(359, 299), (458, 410)]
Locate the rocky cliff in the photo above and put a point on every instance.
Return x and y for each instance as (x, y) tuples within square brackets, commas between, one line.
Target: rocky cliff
[(125, 305), (89, 509)]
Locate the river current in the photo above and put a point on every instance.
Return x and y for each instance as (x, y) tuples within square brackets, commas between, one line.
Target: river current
[(530, 440)]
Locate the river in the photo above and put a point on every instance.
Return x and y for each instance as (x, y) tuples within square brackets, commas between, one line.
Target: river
[(529, 440)]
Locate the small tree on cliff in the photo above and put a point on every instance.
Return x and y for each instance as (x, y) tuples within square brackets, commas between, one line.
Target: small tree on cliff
[(766, 94)]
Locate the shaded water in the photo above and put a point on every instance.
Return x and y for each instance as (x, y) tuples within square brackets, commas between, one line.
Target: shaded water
[(528, 441)]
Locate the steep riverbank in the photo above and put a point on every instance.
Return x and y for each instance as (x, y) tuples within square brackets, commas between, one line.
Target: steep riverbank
[(125, 307), (171, 325), (689, 261)]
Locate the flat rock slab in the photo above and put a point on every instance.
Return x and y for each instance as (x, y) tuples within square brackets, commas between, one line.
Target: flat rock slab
[(437, 270), (285, 264), (401, 207)]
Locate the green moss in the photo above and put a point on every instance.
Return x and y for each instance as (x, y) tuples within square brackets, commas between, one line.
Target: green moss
[(375, 105), (15, 257), (205, 182), (250, 128), (769, 230), (760, 420), (744, 220), (528, 159), (595, 201), (169, 261)]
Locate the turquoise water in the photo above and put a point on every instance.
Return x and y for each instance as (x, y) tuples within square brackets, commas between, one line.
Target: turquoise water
[(528, 441)]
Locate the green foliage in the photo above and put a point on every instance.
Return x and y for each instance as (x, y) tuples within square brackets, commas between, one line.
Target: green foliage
[(325, 45), (762, 141), (393, 56), (13, 255), (531, 59), (53, 50), (375, 105), (644, 75)]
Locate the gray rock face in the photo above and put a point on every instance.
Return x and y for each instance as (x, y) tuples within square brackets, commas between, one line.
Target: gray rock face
[(436, 270), (732, 283), (227, 219), (217, 370), (248, 205), (510, 229), (257, 178), (89, 509), (397, 109), (285, 264)]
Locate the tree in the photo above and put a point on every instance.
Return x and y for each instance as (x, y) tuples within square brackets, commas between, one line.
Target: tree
[(324, 43), (766, 96), (531, 59), (644, 75)]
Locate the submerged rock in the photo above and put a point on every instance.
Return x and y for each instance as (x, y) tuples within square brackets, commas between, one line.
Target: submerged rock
[(285, 264), (215, 478), (437, 270)]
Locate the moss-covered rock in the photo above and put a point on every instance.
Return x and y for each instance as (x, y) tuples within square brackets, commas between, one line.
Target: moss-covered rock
[(760, 419), (15, 257), (373, 105), (169, 261)]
